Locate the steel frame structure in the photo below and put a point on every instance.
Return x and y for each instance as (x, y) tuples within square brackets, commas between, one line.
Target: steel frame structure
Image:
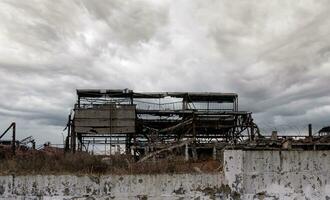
[(163, 118)]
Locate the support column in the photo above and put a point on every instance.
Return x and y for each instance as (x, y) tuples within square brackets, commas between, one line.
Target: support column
[(128, 144), (67, 139), (214, 155), (80, 141), (186, 152), (194, 151), (73, 140), (78, 101), (184, 103)]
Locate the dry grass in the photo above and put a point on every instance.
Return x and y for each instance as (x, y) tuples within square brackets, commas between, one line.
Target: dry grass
[(83, 163)]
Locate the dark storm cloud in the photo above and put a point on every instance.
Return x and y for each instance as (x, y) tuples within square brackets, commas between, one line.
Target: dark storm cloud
[(275, 54)]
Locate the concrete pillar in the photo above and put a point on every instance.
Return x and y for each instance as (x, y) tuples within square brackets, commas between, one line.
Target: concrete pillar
[(214, 155), (186, 152)]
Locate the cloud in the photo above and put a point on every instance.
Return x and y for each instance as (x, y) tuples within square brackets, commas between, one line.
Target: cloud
[(274, 54)]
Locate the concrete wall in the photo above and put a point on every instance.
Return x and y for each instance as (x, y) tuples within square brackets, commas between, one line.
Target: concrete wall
[(186, 186), (279, 174), (247, 175)]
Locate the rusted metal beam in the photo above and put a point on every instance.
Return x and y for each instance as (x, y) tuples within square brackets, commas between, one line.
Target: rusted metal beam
[(13, 147), (13, 142), (165, 149)]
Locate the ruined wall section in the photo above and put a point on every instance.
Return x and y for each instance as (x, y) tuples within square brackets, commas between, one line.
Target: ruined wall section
[(179, 186), (279, 174), (266, 175)]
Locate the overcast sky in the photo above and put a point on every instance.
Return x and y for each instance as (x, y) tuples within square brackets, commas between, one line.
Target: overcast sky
[(274, 54)]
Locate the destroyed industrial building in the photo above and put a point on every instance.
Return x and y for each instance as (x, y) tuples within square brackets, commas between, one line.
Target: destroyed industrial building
[(158, 124), (152, 121)]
